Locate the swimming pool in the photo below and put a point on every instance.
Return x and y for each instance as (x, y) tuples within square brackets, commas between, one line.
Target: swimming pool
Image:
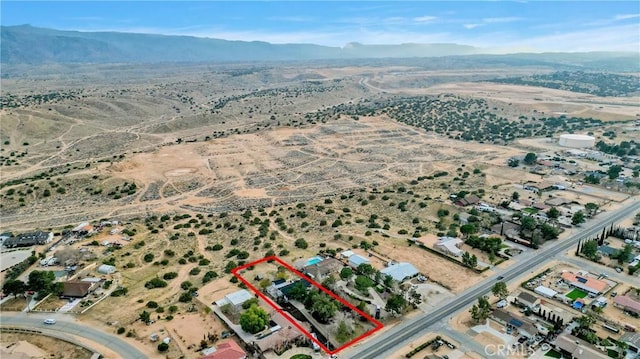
[(314, 260)]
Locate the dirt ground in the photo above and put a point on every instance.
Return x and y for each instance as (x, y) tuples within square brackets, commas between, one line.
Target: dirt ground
[(54, 347), (431, 265)]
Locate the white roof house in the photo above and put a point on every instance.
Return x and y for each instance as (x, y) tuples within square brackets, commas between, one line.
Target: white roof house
[(235, 298), (347, 254), (400, 271), (449, 245), (356, 260), (106, 269), (545, 291)]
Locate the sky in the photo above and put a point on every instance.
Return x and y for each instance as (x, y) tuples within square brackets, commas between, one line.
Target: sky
[(502, 26)]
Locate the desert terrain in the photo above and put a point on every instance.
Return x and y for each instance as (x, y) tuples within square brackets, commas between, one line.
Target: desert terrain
[(208, 167)]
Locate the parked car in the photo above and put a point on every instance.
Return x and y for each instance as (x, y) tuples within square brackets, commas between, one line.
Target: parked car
[(50, 321)]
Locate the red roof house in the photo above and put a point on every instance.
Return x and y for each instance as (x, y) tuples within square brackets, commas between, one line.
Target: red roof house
[(227, 350)]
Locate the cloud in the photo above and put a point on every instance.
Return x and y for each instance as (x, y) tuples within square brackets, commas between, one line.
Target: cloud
[(471, 26), (625, 16), (500, 20), (423, 19)]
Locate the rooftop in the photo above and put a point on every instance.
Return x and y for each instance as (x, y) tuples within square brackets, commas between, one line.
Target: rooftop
[(227, 350), (628, 302), (400, 271), (585, 282), (235, 298), (578, 348)]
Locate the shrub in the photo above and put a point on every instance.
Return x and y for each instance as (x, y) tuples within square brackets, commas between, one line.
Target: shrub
[(170, 275), (301, 243), (155, 283)]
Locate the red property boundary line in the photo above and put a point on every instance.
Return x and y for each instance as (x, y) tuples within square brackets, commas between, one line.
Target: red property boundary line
[(236, 272)]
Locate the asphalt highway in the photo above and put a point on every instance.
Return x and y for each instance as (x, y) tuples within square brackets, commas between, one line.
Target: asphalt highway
[(35, 321), (391, 340)]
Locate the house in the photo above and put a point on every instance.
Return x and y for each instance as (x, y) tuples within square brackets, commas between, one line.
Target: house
[(347, 254), (449, 245), (106, 269), (522, 325), (29, 239), (527, 299), (76, 289), (468, 200), (633, 341), (553, 312), (320, 270), (235, 299), (400, 271), (574, 348), (545, 291), (627, 303), (227, 350), (356, 260), (582, 281), (82, 229)]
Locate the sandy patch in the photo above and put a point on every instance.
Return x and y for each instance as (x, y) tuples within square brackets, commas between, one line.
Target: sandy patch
[(252, 193), (180, 172)]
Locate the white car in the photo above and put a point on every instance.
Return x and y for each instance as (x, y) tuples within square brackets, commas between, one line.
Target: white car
[(49, 321)]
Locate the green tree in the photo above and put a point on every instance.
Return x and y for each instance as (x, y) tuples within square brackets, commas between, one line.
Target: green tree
[(590, 249), (467, 229), (530, 158), (41, 281), (145, 317), (396, 304), (253, 319), (625, 253), (298, 291), (163, 347), (513, 162), (344, 333), (301, 243), (515, 196), (500, 290), (469, 260), (363, 284), (614, 171), (324, 307), (591, 208), (366, 269), (553, 213), (528, 223), (481, 311), (577, 218), (346, 273), (14, 287)]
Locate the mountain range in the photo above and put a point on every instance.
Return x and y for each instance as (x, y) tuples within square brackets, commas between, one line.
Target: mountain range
[(25, 44)]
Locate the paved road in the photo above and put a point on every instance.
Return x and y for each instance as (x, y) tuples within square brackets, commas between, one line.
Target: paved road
[(391, 340), (35, 321)]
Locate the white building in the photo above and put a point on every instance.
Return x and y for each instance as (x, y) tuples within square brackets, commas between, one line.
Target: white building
[(356, 260), (236, 298), (400, 271), (545, 291), (449, 245), (577, 141)]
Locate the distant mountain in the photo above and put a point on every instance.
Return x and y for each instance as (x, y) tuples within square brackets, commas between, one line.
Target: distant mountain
[(32, 45), (26, 44)]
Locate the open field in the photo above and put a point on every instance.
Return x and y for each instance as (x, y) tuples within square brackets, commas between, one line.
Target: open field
[(207, 168), (55, 348)]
